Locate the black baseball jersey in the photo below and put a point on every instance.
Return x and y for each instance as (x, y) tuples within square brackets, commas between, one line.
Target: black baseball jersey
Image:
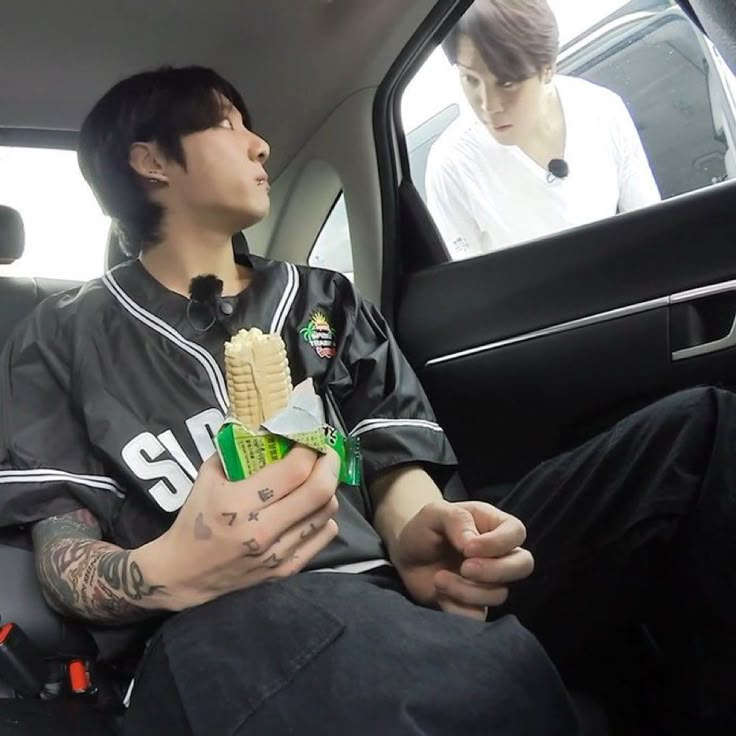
[(111, 395)]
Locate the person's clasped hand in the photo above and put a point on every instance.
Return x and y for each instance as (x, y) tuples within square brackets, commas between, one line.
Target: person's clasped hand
[(461, 557)]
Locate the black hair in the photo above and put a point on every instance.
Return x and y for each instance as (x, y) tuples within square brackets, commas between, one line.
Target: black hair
[(158, 107), (516, 39)]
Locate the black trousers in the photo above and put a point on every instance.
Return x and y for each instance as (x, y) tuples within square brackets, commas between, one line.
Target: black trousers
[(637, 526), (343, 655)]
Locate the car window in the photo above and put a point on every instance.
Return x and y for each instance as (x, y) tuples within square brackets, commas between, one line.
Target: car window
[(639, 108), (332, 249), (65, 229)]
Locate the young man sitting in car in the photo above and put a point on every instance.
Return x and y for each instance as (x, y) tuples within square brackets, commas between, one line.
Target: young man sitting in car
[(111, 395)]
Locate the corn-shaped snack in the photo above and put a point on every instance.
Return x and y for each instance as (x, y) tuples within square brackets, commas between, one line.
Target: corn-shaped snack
[(259, 387), (258, 376)]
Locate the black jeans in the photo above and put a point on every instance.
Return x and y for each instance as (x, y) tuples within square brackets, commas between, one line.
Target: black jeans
[(636, 526), (639, 526), (349, 655)]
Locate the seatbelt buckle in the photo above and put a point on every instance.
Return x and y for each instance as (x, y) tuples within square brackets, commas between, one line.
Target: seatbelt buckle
[(80, 678), (21, 664)]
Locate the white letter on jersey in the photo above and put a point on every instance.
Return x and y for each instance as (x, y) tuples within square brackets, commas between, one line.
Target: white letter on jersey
[(173, 487), (203, 427), (170, 442)]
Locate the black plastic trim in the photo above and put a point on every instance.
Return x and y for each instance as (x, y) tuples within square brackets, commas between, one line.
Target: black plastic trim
[(682, 243), (390, 138)]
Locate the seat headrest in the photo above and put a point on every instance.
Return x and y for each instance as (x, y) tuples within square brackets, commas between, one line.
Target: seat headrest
[(12, 235)]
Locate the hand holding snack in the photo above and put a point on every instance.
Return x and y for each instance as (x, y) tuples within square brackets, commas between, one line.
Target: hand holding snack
[(230, 536), (276, 514)]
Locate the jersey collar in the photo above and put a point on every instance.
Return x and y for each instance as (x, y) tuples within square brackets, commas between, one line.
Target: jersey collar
[(266, 303)]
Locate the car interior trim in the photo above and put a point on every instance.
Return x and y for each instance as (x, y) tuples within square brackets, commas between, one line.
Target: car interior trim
[(665, 301), (712, 346), (556, 329)]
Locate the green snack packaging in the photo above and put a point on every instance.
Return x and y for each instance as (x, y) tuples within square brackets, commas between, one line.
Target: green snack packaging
[(243, 451)]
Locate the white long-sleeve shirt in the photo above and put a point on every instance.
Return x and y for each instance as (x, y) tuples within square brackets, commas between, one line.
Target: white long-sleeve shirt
[(485, 196)]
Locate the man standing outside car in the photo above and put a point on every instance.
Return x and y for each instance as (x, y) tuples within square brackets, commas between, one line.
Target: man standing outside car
[(539, 152)]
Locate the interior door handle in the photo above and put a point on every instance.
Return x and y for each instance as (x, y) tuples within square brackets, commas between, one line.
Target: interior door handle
[(714, 308), (704, 348)]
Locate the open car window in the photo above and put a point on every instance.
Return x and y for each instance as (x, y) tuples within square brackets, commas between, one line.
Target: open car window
[(671, 94)]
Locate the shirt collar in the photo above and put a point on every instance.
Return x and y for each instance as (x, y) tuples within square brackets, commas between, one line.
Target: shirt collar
[(255, 306)]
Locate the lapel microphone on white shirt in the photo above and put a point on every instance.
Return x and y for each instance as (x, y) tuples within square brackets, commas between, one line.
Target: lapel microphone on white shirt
[(558, 169)]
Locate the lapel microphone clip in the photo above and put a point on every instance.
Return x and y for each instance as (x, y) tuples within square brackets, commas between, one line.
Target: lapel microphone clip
[(558, 168), (205, 297)]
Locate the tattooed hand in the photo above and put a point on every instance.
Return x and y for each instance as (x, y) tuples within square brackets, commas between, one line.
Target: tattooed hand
[(226, 537), (230, 536)]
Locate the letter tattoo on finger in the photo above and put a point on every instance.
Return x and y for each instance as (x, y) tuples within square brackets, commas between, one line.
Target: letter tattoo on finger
[(272, 562), (310, 531), (265, 494), (252, 546)]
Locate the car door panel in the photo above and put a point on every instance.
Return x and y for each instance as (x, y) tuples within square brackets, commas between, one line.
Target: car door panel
[(530, 400), (527, 351)]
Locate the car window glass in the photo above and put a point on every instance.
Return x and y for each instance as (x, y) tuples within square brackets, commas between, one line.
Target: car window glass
[(639, 107), (65, 229), (332, 249)]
